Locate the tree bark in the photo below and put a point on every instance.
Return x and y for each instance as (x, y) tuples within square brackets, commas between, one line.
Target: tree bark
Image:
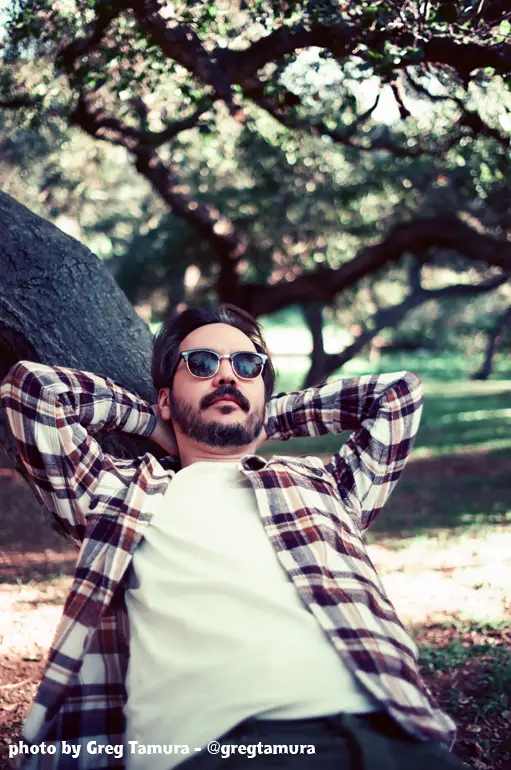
[(60, 306)]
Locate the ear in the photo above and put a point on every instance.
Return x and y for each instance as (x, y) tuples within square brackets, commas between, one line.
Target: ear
[(164, 403)]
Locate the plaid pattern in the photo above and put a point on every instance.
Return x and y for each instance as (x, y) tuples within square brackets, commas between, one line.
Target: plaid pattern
[(314, 514)]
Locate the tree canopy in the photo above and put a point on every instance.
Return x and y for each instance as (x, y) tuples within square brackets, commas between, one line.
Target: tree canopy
[(297, 151)]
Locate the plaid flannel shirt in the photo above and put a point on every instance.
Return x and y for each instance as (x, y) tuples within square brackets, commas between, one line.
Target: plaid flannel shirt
[(314, 514)]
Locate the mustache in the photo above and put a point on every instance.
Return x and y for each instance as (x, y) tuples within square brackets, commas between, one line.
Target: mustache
[(226, 390)]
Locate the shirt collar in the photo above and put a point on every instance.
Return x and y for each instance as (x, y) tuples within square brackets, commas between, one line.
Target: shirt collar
[(249, 462), (253, 462)]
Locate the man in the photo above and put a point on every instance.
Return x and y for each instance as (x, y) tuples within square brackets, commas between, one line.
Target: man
[(219, 595)]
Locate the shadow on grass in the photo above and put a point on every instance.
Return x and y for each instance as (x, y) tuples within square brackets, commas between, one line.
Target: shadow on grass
[(29, 548), (467, 665), (459, 414), (468, 490)]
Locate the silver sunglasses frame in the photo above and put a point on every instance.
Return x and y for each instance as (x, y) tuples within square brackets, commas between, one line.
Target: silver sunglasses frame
[(186, 353)]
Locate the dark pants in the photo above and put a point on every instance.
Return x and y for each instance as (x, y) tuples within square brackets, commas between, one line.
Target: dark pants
[(341, 742)]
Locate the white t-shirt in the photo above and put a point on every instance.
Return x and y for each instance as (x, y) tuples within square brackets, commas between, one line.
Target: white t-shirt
[(218, 630)]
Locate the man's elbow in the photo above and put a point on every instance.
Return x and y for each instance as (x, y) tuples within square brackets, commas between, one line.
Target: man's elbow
[(413, 382), (410, 389), (15, 379)]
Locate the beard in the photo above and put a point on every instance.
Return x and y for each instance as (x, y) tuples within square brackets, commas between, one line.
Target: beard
[(212, 433)]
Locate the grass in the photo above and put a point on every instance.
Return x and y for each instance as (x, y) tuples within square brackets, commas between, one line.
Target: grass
[(467, 491), (491, 673)]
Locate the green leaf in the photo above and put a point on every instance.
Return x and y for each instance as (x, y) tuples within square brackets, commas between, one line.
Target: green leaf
[(504, 27)]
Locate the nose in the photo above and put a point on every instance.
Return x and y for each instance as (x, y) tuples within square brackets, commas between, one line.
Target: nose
[(225, 374)]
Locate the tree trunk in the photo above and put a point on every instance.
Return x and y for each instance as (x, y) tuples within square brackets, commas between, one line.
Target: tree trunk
[(491, 345), (313, 314), (60, 306)]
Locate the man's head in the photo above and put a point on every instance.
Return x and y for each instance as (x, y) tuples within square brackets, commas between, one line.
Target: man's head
[(211, 400)]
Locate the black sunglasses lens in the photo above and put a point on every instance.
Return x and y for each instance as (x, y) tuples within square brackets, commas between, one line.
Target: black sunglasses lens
[(247, 365), (203, 363)]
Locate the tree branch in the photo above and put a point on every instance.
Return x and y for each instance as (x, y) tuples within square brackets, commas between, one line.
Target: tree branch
[(241, 65), (313, 315), (106, 12), (207, 221), (416, 237), (156, 139), (216, 229), (344, 137), (469, 118), (396, 89), (182, 44), (473, 121), (493, 335), (466, 57), (17, 102), (92, 117), (342, 39), (392, 316)]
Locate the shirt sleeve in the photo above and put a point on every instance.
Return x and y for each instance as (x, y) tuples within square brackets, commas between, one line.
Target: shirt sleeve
[(54, 413), (383, 414)]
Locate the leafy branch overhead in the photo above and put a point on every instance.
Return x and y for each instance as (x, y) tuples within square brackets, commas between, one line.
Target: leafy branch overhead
[(149, 76)]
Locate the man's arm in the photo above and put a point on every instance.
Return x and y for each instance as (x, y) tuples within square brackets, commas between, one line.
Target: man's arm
[(54, 413), (383, 412)]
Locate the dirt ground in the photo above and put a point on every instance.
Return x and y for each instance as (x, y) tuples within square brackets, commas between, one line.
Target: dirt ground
[(440, 586)]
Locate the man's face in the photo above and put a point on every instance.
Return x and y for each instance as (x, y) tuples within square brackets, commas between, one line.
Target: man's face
[(223, 410)]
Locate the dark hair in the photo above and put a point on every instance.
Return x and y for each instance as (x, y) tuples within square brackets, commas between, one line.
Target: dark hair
[(179, 325)]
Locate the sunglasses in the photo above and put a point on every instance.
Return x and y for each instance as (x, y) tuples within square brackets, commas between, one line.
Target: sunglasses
[(206, 363)]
